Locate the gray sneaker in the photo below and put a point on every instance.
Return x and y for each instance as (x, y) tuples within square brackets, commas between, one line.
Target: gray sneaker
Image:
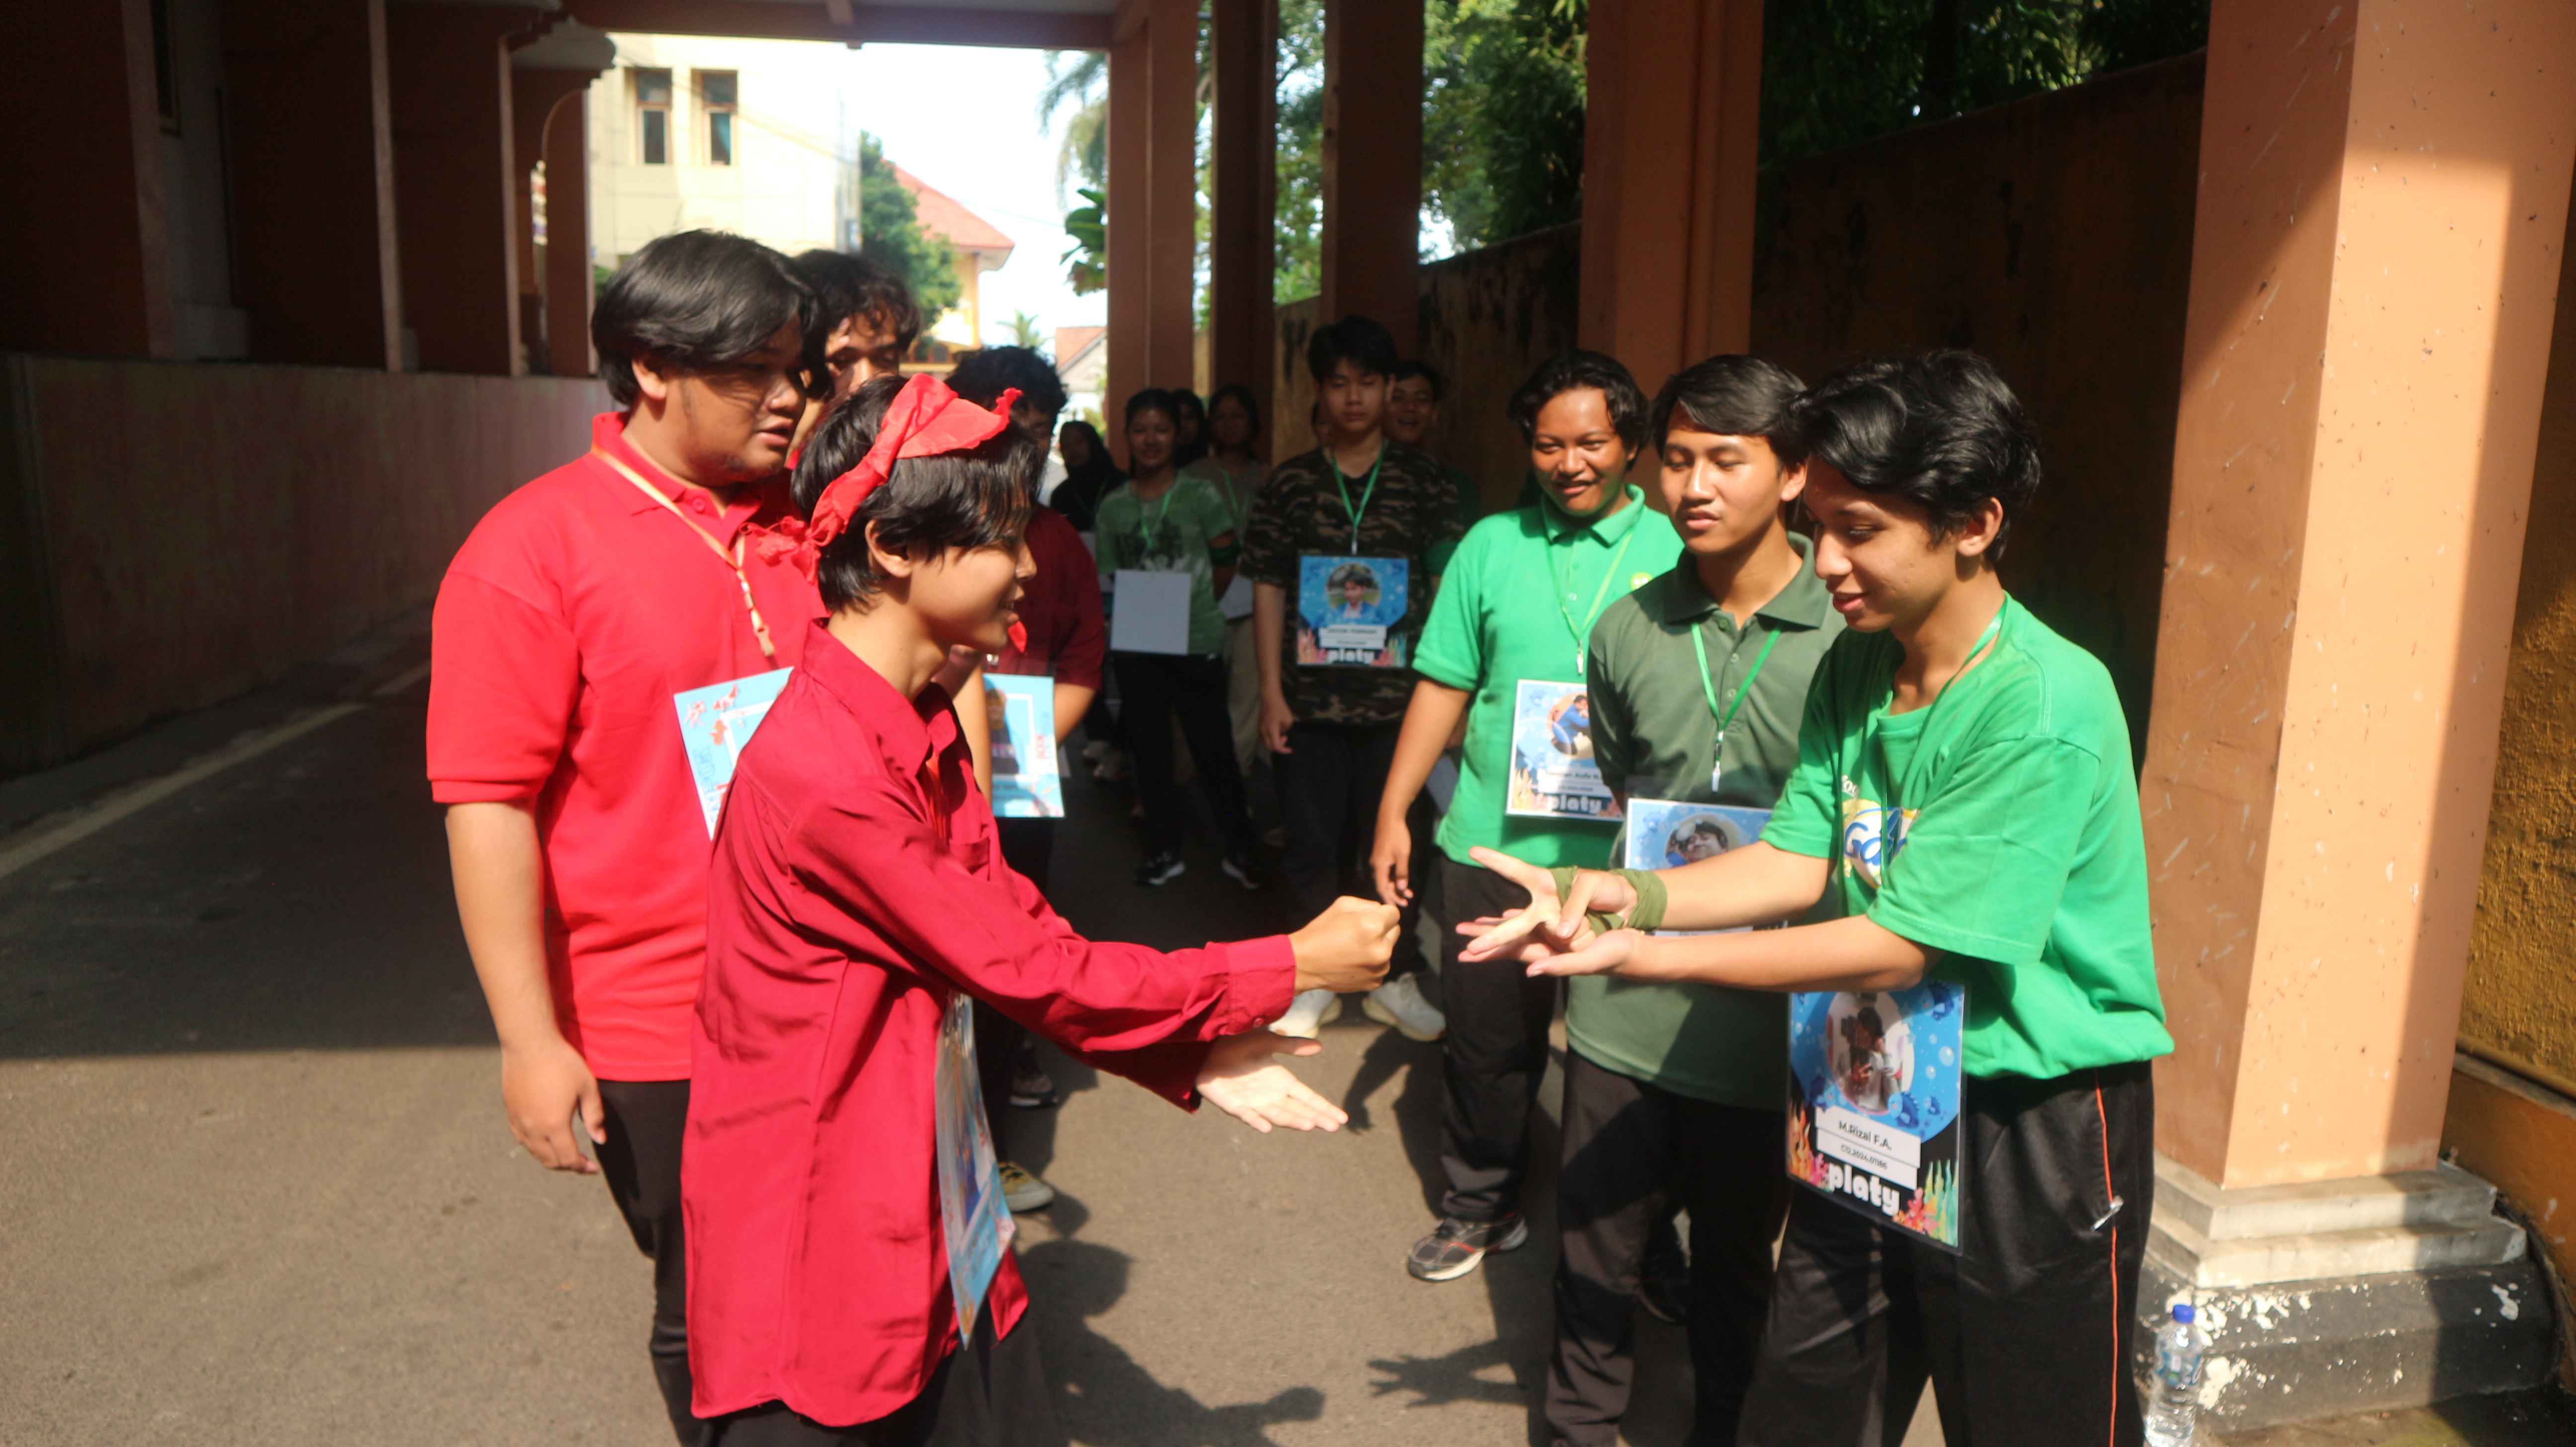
[(1456, 1247)]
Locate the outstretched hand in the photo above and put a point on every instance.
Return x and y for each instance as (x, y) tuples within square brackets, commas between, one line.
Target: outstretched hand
[(1550, 927), (1243, 1079)]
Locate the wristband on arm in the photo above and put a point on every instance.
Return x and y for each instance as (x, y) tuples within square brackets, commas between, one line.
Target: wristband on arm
[(1648, 912)]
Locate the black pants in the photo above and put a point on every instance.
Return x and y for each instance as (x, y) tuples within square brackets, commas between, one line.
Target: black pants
[(1329, 784), (1028, 846), (1158, 688), (641, 1160), (987, 1394), (2024, 1334), (1632, 1150), (1494, 1055)]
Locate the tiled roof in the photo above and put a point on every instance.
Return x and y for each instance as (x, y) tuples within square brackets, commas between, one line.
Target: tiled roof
[(1072, 342), (940, 215)]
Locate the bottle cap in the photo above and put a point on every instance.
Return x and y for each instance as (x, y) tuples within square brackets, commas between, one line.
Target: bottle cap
[(2183, 1312)]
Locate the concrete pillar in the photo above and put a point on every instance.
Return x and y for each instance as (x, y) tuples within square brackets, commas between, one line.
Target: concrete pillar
[(568, 277), (1669, 144), (1129, 191), (539, 98), (1153, 199), (454, 193), (1244, 42), (2383, 192), (1373, 164), (87, 246)]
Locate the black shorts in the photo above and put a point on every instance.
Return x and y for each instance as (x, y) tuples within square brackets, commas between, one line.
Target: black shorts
[(987, 1394)]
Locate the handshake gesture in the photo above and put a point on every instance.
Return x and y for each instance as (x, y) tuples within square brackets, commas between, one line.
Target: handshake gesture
[(1343, 949)]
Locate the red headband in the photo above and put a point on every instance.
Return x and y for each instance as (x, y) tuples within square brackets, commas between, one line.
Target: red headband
[(924, 420)]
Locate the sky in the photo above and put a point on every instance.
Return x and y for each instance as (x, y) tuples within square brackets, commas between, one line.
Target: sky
[(964, 120)]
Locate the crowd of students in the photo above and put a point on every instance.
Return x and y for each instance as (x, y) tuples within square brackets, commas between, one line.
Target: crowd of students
[(1644, 747)]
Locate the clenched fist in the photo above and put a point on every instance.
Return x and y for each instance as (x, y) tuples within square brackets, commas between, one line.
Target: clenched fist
[(1345, 949)]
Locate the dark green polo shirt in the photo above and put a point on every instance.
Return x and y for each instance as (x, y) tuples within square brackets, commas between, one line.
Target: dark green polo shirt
[(1655, 737)]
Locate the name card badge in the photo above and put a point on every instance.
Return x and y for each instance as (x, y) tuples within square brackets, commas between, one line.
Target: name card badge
[(1149, 612), (1669, 833), (1874, 1104), (1021, 710), (971, 1214), (1350, 611), (1553, 774), (715, 722)]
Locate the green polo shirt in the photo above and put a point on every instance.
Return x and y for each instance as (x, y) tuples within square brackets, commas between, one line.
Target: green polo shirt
[(1998, 828), (1498, 621), (1655, 738)]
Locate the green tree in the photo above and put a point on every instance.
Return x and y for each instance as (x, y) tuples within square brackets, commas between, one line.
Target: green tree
[(890, 235), (1025, 331), (1502, 116)]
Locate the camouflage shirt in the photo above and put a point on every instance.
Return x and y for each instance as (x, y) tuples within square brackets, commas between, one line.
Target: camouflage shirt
[(1412, 514)]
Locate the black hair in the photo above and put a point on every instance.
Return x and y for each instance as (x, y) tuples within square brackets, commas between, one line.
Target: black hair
[(1735, 395), (1153, 399), (973, 499), (1573, 372), (853, 286), (983, 376), (696, 300), (1407, 370), (1091, 434), (1354, 339), (1242, 394), (1186, 407), (1941, 431)]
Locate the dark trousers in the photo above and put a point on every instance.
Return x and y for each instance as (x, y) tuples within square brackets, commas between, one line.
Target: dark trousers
[(2025, 1334), (1633, 1151), (1158, 688), (987, 1394), (641, 1160), (1028, 846), (1493, 1056), (1329, 784)]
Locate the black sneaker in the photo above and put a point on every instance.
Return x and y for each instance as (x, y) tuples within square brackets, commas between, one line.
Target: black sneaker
[(1455, 1247), (1032, 1088), (1242, 870), (1160, 869)]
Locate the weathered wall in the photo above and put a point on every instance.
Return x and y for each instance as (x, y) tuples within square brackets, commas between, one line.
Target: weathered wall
[(181, 533)]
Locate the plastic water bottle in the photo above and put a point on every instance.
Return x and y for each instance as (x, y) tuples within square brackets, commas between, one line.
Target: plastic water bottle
[(2173, 1415)]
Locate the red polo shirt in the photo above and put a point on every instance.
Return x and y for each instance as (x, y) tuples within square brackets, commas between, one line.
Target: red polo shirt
[(1060, 607), (858, 885), (572, 614)]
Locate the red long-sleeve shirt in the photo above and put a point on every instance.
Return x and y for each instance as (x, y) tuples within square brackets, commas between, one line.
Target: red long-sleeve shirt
[(858, 883)]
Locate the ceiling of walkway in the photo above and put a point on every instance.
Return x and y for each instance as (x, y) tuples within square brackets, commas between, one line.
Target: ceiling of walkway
[(1043, 24)]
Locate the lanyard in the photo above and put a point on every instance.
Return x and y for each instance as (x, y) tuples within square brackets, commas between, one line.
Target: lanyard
[(1366, 492), (1726, 717), (733, 559), (1914, 769), (1149, 528), (1583, 631)]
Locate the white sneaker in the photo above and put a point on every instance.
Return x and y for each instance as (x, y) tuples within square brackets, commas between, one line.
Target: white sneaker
[(1308, 1013), (1399, 1004)]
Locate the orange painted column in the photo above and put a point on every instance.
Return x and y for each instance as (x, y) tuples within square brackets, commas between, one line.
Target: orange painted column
[(312, 168), (1373, 164), (1669, 146), (1172, 198), (1244, 42), (455, 201), (568, 276), (2383, 191), (87, 244), (1130, 258)]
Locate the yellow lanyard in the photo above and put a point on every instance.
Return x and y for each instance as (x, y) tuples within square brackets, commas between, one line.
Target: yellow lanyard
[(733, 559)]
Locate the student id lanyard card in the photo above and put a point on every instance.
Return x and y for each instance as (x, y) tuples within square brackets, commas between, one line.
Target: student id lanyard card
[(1600, 594), (1350, 607), (972, 1218), (731, 559), (1725, 716)]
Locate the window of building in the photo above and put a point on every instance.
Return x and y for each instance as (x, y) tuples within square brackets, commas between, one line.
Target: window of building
[(716, 92), (653, 117)]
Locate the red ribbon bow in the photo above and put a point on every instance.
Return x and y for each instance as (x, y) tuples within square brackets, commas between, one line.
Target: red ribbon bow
[(924, 420)]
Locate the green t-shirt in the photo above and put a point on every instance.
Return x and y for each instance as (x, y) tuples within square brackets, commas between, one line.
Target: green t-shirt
[(1237, 486), (1655, 737), (1175, 533), (1498, 621), (2017, 854)]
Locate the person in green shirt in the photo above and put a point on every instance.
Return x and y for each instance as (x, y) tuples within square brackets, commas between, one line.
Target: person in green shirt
[(1964, 792), (1161, 522), (1234, 467), (1673, 1091), (1515, 607)]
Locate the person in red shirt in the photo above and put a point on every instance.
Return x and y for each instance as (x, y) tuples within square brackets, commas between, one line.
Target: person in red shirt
[(578, 607), (849, 1273)]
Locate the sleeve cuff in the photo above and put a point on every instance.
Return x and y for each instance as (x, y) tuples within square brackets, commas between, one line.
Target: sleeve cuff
[(1439, 672), (477, 791), (1931, 934), (1803, 848), (1261, 979)]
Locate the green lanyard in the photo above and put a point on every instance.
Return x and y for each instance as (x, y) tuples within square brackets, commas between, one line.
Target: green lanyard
[(1148, 528), (1583, 630), (1725, 717), (1366, 492), (1914, 770)]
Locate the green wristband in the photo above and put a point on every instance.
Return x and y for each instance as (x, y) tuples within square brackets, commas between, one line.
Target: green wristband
[(1648, 912)]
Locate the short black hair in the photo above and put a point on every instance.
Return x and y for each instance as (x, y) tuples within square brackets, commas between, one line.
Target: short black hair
[(852, 286), (1735, 395), (1409, 369), (1242, 394), (1573, 372), (985, 374), (1941, 430), (695, 300), (973, 499), (1354, 339), (1153, 399)]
